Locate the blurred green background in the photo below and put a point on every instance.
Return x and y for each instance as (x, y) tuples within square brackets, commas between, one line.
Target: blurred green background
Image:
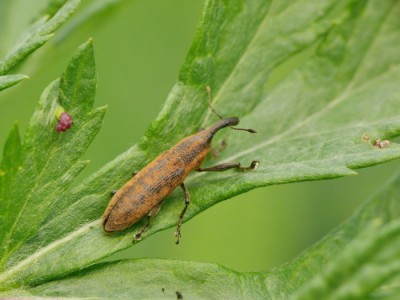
[(139, 48)]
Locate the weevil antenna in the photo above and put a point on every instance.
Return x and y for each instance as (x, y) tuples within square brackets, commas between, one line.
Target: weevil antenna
[(208, 89), (244, 129)]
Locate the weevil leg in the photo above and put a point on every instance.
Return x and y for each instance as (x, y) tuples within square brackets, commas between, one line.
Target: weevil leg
[(154, 211), (187, 202), (227, 166)]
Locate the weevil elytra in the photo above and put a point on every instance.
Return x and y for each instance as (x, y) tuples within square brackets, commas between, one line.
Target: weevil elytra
[(144, 193)]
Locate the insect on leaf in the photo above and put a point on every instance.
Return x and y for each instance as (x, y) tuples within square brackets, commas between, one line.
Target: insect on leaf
[(307, 75)]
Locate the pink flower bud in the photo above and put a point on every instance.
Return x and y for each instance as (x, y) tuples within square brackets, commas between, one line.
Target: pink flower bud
[(64, 122)]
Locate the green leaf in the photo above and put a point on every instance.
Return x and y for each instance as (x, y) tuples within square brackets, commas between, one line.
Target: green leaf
[(10, 80), (368, 262), (52, 6), (356, 261), (8, 168), (359, 260), (38, 34), (157, 279), (48, 160), (307, 75)]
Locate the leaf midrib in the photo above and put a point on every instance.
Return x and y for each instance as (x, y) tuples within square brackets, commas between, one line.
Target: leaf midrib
[(34, 256)]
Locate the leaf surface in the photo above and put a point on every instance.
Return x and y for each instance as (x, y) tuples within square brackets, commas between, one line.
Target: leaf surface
[(306, 75), (10, 80), (37, 35), (359, 260), (8, 168), (48, 158)]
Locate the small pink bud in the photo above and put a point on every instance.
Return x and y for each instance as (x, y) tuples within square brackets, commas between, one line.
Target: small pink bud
[(64, 122)]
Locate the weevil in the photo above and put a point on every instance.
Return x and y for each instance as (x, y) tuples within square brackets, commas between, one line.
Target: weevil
[(144, 193)]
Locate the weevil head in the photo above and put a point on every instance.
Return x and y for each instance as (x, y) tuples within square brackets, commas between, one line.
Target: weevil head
[(232, 121), (228, 122), (211, 131)]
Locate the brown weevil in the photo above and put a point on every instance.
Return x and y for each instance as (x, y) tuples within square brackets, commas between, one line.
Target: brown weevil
[(144, 193)]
